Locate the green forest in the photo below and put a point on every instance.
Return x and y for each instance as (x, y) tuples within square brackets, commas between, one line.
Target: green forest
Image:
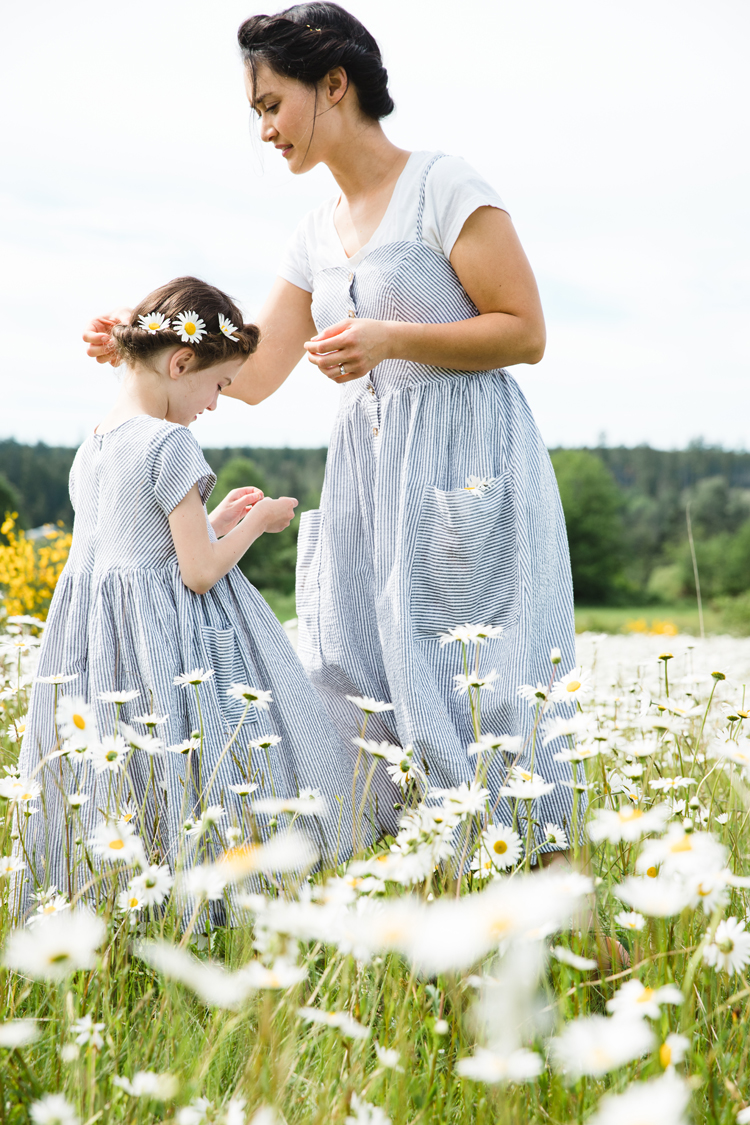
[(627, 512)]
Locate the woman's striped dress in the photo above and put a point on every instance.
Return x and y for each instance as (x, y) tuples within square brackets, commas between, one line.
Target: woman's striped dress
[(400, 551), (123, 620)]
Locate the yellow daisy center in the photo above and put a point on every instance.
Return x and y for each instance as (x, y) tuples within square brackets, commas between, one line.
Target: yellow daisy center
[(665, 1055), (117, 845), (79, 721), (573, 685), (651, 872), (132, 902), (645, 996), (190, 328), (629, 813), (127, 817), (683, 845), (500, 846), (26, 796), (153, 325)]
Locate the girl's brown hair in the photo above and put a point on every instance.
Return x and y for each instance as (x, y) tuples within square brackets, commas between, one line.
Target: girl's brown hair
[(185, 294)]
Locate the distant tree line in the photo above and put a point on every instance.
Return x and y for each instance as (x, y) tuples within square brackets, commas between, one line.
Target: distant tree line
[(625, 510)]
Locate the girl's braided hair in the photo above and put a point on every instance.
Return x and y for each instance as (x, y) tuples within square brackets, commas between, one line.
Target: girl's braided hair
[(134, 344)]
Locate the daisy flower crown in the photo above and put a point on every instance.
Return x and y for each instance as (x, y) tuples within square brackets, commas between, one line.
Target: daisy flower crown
[(188, 325)]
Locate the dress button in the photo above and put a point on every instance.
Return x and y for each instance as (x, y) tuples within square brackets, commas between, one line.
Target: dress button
[(371, 389), (351, 276), (375, 430), (351, 313)]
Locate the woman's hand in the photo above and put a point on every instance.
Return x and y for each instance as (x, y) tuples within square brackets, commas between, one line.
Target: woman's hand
[(354, 345), (234, 507), (98, 336)]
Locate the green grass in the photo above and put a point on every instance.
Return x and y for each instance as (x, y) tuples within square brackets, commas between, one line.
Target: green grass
[(618, 619), (283, 605)]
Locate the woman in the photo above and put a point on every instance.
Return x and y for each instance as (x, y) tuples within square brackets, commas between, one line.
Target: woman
[(440, 505)]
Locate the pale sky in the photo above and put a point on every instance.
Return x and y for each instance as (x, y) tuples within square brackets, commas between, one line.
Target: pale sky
[(615, 131)]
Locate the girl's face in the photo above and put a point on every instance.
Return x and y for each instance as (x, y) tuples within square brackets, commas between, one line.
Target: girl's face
[(293, 116), (191, 392)]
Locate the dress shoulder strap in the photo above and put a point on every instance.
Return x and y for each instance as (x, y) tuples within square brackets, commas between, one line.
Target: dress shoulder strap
[(422, 189)]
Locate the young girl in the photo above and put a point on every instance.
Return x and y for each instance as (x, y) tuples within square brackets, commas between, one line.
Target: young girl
[(154, 633)]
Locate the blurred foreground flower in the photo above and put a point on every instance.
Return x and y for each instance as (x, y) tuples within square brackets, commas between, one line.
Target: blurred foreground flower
[(56, 946)]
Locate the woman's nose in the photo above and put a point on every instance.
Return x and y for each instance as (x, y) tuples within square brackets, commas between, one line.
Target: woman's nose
[(268, 131)]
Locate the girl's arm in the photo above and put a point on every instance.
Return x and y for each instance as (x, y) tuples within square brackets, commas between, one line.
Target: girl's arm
[(493, 269), (203, 563), (285, 323)]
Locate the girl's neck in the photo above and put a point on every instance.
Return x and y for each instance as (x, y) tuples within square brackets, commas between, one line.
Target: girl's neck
[(140, 395)]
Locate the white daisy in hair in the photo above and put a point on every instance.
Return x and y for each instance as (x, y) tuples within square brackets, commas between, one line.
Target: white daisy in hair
[(154, 322), (226, 326), (189, 327)]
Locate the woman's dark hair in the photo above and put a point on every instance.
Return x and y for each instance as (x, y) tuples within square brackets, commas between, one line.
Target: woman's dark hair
[(309, 40), (134, 344)]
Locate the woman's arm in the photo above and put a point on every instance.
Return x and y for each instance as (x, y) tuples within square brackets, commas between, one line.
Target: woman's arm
[(285, 323), (203, 563), (493, 269)]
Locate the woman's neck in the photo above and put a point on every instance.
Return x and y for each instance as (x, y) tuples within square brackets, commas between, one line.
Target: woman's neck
[(365, 162)]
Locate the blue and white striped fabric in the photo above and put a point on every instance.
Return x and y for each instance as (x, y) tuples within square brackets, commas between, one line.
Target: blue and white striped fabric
[(122, 619), (400, 551)]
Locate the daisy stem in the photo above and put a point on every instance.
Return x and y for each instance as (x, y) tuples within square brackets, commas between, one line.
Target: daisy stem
[(693, 963)]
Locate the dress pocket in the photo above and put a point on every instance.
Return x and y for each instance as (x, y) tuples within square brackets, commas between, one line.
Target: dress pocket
[(465, 567), (223, 655), (309, 547)]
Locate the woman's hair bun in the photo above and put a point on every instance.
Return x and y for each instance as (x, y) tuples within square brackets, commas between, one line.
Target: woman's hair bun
[(307, 41), (135, 344)]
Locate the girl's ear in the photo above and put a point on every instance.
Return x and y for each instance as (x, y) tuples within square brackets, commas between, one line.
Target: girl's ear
[(180, 362)]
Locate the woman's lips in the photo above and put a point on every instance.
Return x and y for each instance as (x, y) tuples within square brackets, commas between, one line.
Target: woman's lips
[(285, 149)]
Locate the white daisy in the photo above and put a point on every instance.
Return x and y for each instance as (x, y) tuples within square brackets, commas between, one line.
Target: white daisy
[(52, 904), (635, 999), (282, 974), (184, 747), (58, 678), (555, 835), (9, 865), (595, 1045), (477, 486), (730, 949), (470, 634), (576, 685), (369, 706), (265, 742), (491, 1067), (152, 885), (244, 789), (197, 676), (21, 789), (109, 754), (146, 1084), (260, 699), (154, 322), (56, 946), (151, 720), (88, 1033), (117, 842), (488, 743), (226, 326), (502, 845), (568, 957), (18, 1033), (628, 823), (118, 697), (129, 901), (630, 920), (53, 1109), (464, 684), (189, 327), (342, 1021), (525, 785), (76, 721)]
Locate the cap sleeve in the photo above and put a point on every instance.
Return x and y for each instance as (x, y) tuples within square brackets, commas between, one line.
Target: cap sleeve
[(178, 465), (454, 190), (295, 261)]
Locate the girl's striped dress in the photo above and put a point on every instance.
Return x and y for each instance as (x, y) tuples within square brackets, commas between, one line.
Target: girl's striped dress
[(122, 620), (400, 551)]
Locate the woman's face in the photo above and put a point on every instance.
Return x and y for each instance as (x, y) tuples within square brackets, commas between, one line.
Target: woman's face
[(292, 115)]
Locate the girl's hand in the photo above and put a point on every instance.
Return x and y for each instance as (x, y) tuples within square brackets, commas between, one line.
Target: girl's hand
[(355, 345), (277, 514), (99, 339), (234, 507)]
